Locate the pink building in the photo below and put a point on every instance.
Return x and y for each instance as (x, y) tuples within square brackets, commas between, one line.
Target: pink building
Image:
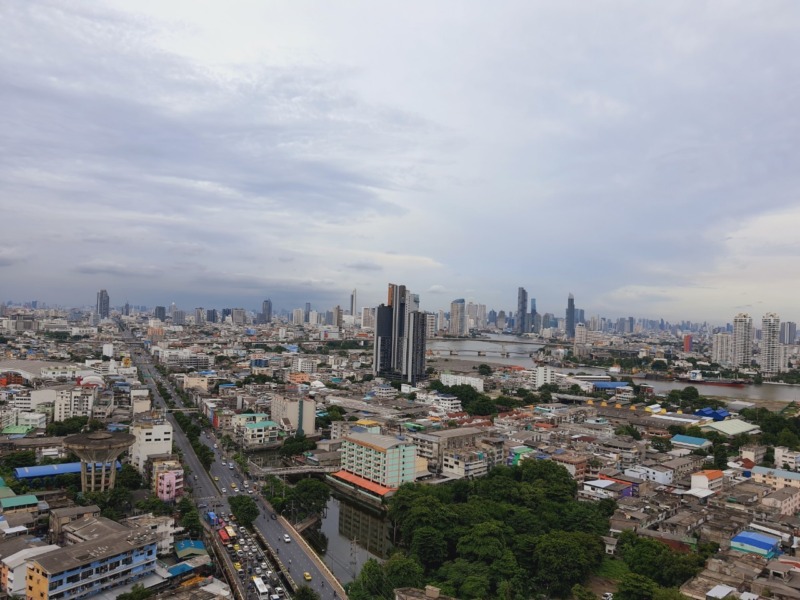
[(168, 480)]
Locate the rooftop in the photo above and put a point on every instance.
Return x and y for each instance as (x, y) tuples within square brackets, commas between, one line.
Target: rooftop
[(376, 441), (71, 557)]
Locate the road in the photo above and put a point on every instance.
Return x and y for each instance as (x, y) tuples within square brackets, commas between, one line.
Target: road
[(297, 557)]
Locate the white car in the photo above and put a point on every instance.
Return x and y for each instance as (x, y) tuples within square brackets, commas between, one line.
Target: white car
[(224, 491), (286, 538)]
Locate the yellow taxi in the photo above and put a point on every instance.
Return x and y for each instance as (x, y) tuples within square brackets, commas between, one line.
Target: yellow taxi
[(216, 478), (307, 576)]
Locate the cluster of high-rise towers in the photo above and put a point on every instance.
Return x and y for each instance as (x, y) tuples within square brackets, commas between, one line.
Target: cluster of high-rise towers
[(400, 327), (531, 322)]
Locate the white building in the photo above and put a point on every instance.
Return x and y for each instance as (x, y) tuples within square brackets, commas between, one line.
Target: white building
[(74, 402), (153, 436), (449, 379), (742, 346), (657, 473), (770, 358), (16, 566), (303, 365), (721, 348), (787, 459), (164, 528), (296, 414)]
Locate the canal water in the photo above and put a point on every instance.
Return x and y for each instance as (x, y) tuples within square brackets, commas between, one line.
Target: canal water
[(351, 534)]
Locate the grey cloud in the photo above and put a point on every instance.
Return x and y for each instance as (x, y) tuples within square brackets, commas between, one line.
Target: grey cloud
[(364, 266)]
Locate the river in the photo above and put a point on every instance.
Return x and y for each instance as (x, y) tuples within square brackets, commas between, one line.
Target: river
[(468, 349)]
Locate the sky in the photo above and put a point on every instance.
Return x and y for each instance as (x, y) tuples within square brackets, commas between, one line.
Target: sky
[(640, 155)]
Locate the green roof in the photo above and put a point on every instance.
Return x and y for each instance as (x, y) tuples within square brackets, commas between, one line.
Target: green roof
[(17, 501), (261, 425), (16, 429), (2, 482), (6, 492)]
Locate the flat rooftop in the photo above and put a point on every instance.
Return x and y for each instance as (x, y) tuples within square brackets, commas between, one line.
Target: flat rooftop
[(72, 557)]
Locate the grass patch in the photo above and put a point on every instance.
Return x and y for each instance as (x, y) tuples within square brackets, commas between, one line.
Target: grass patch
[(613, 569)]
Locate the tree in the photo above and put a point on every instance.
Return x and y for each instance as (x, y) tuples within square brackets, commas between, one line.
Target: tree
[(429, 547), (306, 593), (129, 477), (484, 369), (244, 509), (636, 587), (402, 571), (563, 559), (581, 592), (138, 592), (22, 458)]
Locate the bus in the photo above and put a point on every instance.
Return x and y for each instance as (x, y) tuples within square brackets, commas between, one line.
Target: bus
[(224, 537), (231, 532), (261, 589)]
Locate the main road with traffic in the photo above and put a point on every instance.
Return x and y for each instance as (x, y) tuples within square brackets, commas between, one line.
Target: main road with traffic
[(295, 554)]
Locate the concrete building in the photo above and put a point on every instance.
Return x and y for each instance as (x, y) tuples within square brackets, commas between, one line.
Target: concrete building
[(432, 446), (787, 459), (167, 480), (14, 568), (770, 357), (709, 479), (380, 459), (153, 435), (163, 526), (742, 342), (721, 348), (294, 414), (786, 500), (110, 556), (259, 433), (454, 379), (74, 402), (458, 318), (776, 478), (103, 304), (59, 517)]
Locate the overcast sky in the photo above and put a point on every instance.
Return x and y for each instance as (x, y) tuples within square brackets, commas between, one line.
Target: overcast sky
[(641, 155)]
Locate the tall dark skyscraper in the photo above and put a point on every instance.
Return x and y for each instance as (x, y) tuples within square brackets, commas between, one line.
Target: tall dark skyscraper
[(266, 311), (353, 305), (211, 315), (102, 304), (161, 313), (306, 312), (535, 318), (521, 317), (399, 351), (571, 316)]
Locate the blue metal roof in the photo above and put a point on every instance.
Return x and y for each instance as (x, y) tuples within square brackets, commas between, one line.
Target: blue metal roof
[(50, 470), (688, 439), (189, 544), (757, 540), (609, 385), (179, 569)]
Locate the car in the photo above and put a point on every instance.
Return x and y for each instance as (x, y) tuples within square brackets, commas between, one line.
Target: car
[(230, 466), (258, 570), (195, 477), (237, 566), (306, 575), (286, 538), (273, 516), (224, 491), (216, 478), (608, 596), (264, 566), (215, 446), (202, 505)]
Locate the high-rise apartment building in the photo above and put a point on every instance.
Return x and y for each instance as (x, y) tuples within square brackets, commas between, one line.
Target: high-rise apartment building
[(521, 318), (458, 318), (179, 317), (266, 311), (570, 322), (238, 316), (353, 305), (400, 333), (102, 304), (770, 359), (199, 315), (211, 315), (298, 316), (742, 343), (788, 333), (721, 348)]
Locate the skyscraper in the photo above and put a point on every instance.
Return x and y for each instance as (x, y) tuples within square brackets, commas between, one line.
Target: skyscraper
[(742, 343), (570, 324), (353, 305), (399, 351), (458, 318), (102, 304), (788, 333), (521, 317), (160, 313), (770, 359), (266, 311), (211, 315), (306, 312), (721, 348)]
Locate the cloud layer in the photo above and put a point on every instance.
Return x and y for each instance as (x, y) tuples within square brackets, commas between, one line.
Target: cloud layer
[(643, 157)]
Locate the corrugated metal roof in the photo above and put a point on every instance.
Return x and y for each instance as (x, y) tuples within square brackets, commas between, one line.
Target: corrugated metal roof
[(16, 501)]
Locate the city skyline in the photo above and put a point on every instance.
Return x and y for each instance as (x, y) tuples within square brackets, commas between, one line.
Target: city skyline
[(643, 154)]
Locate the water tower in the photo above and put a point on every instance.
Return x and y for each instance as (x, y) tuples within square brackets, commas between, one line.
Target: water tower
[(98, 452)]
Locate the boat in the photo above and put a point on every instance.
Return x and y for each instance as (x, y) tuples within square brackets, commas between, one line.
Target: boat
[(696, 377)]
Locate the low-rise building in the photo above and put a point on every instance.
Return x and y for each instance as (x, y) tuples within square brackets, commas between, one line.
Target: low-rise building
[(786, 500), (168, 480), (776, 478), (107, 561), (709, 479)]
